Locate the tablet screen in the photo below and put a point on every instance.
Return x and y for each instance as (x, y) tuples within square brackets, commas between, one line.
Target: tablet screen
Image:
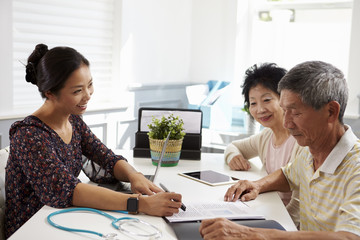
[(210, 177)]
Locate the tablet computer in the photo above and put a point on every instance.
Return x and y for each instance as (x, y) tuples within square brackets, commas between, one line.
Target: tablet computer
[(210, 177)]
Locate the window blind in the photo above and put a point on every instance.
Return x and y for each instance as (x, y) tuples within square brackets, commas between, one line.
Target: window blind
[(86, 25)]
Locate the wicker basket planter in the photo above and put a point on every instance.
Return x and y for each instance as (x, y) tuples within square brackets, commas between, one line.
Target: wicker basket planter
[(172, 152)]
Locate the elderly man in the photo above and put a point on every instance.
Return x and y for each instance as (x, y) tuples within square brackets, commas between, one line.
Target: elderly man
[(327, 173)]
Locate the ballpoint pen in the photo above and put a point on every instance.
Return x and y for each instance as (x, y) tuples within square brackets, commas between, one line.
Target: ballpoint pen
[(183, 207)]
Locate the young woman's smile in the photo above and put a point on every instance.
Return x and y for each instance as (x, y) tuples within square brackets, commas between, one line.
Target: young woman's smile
[(77, 91)]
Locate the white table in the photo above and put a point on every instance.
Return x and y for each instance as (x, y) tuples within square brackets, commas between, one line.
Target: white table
[(268, 204)]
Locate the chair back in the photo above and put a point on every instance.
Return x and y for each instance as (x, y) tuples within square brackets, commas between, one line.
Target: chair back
[(4, 155)]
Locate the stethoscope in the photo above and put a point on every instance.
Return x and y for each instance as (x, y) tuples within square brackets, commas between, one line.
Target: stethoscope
[(152, 232)]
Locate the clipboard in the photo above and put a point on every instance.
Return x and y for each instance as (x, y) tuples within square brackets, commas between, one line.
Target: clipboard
[(190, 230)]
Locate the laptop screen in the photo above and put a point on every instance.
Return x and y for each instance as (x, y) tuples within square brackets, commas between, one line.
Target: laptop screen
[(161, 157)]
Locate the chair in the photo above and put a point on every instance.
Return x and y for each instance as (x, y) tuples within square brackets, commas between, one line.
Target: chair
[(4, 154)]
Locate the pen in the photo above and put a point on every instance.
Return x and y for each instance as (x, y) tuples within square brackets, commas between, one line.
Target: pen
[(183, 207)]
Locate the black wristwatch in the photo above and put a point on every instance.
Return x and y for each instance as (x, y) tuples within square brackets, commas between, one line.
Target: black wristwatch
[(132, 205)]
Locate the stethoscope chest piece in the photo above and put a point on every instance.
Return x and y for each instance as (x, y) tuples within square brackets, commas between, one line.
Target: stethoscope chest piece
[(137, 227)]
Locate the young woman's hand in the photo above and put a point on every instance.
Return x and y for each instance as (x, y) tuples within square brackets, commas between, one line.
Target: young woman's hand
[(239, 163), (160, 204), (140, 184)]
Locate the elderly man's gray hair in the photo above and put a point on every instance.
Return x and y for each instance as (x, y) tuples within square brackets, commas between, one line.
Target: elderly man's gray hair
[(317, 83)]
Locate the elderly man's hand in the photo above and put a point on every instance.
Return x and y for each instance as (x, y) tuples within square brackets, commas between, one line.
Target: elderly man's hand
[(243, 190), (221, 229)]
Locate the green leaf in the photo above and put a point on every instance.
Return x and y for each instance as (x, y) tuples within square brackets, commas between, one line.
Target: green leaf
[(160, 128)]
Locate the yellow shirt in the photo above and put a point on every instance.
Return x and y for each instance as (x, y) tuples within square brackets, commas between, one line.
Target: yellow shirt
[(330, 196), (257, 145)]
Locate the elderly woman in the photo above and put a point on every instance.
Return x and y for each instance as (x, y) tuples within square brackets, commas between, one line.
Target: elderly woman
[(273, 145)]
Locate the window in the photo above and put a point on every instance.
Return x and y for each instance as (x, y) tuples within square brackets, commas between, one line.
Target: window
[(87, 26), (289, 32), (299, 30)]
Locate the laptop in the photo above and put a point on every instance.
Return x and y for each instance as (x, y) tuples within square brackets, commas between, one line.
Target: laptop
[(152, 177), (125, 187)]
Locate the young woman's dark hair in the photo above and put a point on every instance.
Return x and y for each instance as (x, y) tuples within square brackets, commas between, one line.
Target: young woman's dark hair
[(49, 69), (266, 74)]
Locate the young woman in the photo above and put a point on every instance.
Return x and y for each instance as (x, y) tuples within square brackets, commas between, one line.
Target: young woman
[(274, 145), (46, 149)]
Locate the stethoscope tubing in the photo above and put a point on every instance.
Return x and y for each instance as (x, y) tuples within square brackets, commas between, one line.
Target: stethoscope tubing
[(114, 220), (113, 223)]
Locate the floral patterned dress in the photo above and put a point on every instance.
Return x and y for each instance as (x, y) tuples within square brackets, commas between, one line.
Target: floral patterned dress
[(43, 170)]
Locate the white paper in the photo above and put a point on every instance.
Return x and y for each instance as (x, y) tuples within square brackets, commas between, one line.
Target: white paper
[(207, 210)]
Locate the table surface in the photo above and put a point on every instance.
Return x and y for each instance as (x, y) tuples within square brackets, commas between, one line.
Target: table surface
[(268, 204)]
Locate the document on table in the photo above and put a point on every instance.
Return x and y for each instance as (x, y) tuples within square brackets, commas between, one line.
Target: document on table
[(196, 211)]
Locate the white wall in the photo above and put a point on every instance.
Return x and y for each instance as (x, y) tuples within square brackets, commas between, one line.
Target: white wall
[(155, 41), (213, 38), (177, 41), (354, 61)]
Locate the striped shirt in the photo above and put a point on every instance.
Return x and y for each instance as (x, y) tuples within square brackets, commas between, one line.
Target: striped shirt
[(330, 196)]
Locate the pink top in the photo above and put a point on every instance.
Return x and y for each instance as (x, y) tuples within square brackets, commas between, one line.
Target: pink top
[(277, 157)]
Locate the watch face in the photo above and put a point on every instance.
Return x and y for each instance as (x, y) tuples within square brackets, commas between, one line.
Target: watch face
[(132, 205)]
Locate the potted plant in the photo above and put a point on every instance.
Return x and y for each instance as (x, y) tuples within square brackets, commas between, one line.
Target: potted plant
[(158, 131)]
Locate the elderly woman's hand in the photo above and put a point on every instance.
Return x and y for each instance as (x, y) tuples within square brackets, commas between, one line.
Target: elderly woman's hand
[(239, 163)]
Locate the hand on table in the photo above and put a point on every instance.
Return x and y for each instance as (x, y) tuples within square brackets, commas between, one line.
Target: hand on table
[(239, 163), (243, 190), (224, 229), (140, 184), (160, 204)]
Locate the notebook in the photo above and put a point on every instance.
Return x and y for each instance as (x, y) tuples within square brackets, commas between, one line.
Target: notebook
[(190, 230), (125, 187)]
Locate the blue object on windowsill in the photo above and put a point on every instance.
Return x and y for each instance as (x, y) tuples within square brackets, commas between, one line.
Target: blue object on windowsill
[(216, 107)]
